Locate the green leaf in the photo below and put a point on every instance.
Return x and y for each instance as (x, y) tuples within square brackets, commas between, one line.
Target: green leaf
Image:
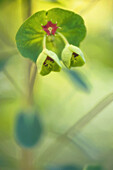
[(7, 161), (29, 37), (64, 167), (71, 25), (28, 128), (93, 167)]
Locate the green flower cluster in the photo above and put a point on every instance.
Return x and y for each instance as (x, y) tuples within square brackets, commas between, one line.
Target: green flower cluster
[(48, 38), (48, 61)]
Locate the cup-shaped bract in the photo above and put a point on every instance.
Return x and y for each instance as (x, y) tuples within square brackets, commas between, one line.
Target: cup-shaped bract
[(28, 128), (47, 62), (72, 56)]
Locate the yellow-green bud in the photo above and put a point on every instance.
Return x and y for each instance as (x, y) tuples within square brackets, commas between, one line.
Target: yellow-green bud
[(72, 56), (47, 62)]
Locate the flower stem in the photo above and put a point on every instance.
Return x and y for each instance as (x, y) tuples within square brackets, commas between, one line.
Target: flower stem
[(75, 129), (27, 154), (31, 83), (44, 42), (63, 38)]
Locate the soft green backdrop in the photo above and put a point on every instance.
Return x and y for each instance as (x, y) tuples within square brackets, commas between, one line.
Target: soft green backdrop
[(60, 99)]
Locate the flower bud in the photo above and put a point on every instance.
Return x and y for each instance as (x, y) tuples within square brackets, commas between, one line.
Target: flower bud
[(47, 62), (72, 56)]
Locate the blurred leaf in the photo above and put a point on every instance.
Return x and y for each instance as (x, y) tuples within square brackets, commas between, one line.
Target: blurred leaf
[(5, 1), (3, 61), (6, 161), (65, 167), (28, 128), (78, 79), (29, 37), (93, 167)]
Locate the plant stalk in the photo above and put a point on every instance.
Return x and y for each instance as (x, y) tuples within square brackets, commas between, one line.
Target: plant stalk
[(58, 144), (63, 38)]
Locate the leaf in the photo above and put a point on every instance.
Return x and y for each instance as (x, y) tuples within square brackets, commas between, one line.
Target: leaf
[(29, 37), (93, 167), (78, 79), (7, 161), (71, 24), (5, 1), (28, 128), (65, 167)]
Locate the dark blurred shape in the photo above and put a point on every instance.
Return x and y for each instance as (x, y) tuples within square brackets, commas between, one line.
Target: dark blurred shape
[(78, 79), (65, 167), (93, 167), (3, 60), (5, 1), (7, 162), (28, 128)]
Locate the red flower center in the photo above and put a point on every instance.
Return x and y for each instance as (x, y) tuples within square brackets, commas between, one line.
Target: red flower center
[(50, 28)]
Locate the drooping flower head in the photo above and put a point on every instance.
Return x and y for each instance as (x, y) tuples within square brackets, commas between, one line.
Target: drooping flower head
[(47, 62), (50, 28), (72, 56)]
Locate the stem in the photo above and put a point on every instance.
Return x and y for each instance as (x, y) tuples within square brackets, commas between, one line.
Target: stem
[(44, 42), (77, 127), (63, 38), (26, 8), (27, 160), (31, 84), (12, 81), (27, 154)]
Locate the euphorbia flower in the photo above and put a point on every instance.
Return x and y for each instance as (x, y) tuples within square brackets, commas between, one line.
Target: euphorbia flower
[(47, 62), (50, 28), (72, 56)]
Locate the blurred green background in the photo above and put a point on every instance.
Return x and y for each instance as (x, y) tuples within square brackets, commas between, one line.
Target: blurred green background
[(75, 108)]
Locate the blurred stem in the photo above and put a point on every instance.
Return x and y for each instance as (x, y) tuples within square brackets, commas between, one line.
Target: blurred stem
[(13, 81), (31, 83), (27, 160), (44, 42), (58, 144), (78, 126), (26, 8), (27, 154), (63, 38)]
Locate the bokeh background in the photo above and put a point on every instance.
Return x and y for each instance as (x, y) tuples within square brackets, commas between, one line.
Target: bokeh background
[(75, 108)]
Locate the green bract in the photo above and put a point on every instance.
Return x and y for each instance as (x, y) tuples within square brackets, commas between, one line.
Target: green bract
[(72, 56), (30, 35), (28, 128), (47, 62)]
